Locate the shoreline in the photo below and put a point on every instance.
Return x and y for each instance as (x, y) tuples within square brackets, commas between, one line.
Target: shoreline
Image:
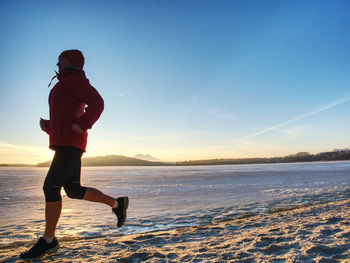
[(319, 233)]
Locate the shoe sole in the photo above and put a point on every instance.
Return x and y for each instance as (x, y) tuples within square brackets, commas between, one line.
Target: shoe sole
[(46, 253), (126, 205)]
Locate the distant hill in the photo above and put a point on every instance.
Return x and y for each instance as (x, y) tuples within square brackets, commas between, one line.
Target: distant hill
[(111, 160), (146, 157)]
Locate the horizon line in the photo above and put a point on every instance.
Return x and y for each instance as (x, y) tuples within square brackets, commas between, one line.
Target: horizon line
[(33, 164)]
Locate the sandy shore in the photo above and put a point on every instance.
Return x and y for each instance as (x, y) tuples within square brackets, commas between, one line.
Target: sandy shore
[(319, 233)]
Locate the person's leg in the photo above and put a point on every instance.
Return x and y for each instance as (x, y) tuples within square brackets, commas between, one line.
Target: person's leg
[(63, 164), (75, 190), (52, 214), (95, 195), (52, 190)]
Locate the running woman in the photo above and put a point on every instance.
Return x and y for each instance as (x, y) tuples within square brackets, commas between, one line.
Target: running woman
[(74, 107)]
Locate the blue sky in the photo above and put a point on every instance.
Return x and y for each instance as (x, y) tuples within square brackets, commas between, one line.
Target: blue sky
[(182, 79)]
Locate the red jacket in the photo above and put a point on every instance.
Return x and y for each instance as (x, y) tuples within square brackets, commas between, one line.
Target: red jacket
[(68, 100)]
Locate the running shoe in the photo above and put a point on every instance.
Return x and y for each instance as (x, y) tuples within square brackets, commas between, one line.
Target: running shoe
[(40, 249), (120, 211)]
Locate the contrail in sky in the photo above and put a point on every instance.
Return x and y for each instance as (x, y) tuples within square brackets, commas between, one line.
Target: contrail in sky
[(323, 108)]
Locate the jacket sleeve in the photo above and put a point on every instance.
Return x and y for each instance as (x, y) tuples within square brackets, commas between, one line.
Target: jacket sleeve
[(95, 105)]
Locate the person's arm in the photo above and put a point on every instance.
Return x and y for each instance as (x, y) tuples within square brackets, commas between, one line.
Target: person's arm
[(44, 125), (95, 105), (77, 128)]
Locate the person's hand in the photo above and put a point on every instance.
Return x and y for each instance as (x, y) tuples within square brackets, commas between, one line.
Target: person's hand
[(43, 124), (77, 128)]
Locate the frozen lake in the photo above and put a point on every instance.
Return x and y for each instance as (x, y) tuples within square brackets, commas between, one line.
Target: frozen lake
[(166, 197)]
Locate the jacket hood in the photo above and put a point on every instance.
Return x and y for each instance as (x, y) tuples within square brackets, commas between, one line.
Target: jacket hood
[(75, 57)]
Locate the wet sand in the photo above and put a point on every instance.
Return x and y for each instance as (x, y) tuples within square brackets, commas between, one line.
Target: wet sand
[(319, 233)]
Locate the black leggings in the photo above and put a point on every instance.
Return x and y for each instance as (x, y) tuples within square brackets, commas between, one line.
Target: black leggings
[(64, 172)]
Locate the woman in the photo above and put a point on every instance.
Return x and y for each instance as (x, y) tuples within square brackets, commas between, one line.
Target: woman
[(74, 107)]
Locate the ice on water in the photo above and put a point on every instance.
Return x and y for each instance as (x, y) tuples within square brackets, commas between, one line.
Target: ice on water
[(167, 197)]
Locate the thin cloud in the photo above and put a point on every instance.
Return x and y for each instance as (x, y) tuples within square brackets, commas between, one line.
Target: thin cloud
[(323, 108)]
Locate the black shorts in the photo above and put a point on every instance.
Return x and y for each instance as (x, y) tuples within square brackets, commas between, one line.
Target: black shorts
[(64, 172)]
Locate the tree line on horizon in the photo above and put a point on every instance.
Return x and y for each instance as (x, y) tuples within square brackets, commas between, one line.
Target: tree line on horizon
[(335, 155)]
